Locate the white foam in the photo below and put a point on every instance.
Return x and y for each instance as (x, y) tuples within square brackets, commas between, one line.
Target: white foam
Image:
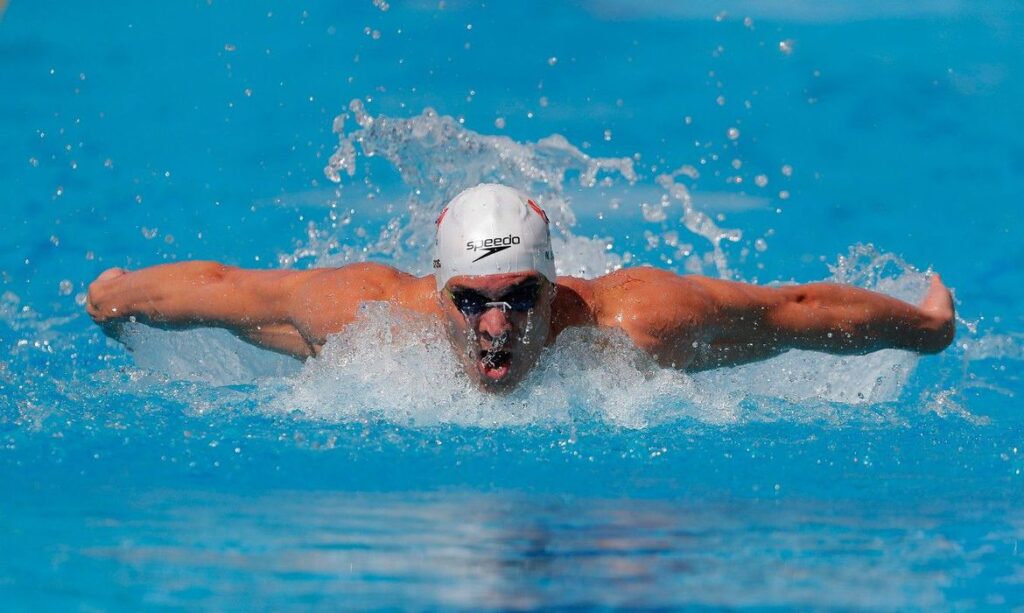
[(209, 356), (399, 367)]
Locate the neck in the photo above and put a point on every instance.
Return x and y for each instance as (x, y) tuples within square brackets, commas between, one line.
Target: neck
[(570, 308)]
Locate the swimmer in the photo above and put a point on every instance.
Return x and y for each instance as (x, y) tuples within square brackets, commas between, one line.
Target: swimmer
[(494, 287)]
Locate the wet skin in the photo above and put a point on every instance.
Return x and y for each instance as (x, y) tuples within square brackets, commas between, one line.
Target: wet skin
[(689, 322), (500, 345)]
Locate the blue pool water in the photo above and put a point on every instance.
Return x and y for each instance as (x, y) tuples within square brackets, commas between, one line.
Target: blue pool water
[(767, 141)]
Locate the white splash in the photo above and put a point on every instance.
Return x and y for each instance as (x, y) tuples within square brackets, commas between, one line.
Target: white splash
[(398, 367)]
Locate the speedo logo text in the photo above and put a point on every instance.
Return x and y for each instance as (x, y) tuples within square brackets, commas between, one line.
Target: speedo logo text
[(490, 246)]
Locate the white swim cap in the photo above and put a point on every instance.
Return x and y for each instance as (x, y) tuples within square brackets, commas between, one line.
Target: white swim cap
[(491, 229)]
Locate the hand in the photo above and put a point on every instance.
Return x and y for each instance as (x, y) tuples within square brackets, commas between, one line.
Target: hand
[(937, 306), (101, 305)]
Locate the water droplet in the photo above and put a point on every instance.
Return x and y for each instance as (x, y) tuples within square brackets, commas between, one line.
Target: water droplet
[(552, 61)]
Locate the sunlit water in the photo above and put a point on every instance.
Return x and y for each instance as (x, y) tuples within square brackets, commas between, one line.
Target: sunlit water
[(194, 470)]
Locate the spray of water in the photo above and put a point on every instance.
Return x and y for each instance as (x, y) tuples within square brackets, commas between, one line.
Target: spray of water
[(399, 367)]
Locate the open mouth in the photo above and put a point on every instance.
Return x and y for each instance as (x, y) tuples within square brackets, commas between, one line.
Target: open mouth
[(494, 364)]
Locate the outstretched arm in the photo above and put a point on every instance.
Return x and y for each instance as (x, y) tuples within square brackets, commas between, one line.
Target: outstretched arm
[(750, 323), (284, 310), (698, 323)]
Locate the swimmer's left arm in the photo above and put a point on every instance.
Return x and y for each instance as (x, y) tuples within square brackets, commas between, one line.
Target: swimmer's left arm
[(747, 322), (697, 323)]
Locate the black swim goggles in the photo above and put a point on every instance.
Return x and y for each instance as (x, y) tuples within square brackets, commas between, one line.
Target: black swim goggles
[(471, 303)]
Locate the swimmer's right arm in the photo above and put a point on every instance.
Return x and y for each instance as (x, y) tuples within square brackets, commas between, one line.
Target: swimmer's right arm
[(275, 309)]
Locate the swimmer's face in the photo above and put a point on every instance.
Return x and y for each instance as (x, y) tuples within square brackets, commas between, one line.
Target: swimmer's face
[(498, 324)]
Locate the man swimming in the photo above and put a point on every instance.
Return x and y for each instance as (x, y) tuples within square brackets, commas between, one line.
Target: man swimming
[(494, 286)]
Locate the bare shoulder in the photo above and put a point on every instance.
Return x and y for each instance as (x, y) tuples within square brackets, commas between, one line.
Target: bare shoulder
[(649, 294), (371, 279), (325, 300), (658, 309)]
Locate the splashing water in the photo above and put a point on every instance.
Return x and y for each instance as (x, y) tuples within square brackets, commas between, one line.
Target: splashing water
[(437, 158), (398, 367)]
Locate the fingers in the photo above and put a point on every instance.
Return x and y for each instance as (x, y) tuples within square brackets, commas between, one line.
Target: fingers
[(111, 273), (99, 303), (937, 306)]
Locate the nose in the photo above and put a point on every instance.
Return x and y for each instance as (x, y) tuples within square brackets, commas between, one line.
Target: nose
[(494, 326)]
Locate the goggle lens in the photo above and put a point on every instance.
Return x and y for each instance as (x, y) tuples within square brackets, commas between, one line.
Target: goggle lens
[(472, 303)]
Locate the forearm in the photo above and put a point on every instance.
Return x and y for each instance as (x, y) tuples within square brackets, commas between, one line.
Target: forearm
[(843, 319), (173, 295)]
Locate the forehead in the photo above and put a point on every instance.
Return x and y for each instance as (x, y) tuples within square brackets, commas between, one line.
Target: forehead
[(494, 283)]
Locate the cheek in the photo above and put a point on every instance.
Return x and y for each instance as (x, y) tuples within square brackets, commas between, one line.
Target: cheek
[(460, 333)]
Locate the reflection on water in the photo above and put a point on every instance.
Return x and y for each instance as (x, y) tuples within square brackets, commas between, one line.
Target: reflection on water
[(498, 550)]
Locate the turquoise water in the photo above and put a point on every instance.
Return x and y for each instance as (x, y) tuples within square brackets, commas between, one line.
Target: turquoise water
[(768, 142)]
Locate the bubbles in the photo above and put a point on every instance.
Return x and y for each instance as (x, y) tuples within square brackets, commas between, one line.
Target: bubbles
[(437, 157), (65, 287), (698, 222), (499, 123), (786, 46), (398, 367), (733, 133)]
